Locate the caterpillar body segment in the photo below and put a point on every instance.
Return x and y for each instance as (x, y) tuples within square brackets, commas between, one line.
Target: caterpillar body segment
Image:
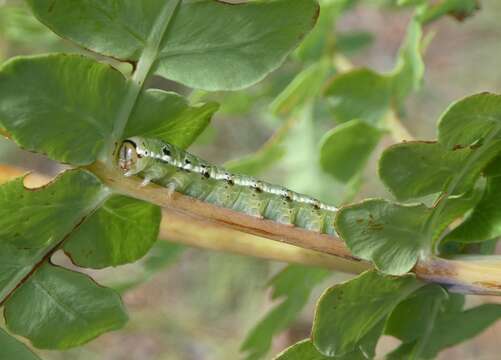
[(169, 166)]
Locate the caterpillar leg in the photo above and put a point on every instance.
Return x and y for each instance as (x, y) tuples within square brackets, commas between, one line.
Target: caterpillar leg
[(145, 181), (171, 189)]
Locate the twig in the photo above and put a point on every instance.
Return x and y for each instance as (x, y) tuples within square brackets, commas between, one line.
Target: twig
[(221, 216), (475, 276), (191, 222), (398, 131), (205, 234)]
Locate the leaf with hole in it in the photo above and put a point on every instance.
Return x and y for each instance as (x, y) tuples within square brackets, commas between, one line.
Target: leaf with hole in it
[(305, 350), (11, 348), (359, 94), (345, 149), (208, 44), (34, 221), (294, 284), (348, 314), (386, 233), (60, 105), (168, 116), (121, 231), (59, 309)]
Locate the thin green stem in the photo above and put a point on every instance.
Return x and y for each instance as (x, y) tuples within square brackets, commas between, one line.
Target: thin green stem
[(144, 66), (398, 131)]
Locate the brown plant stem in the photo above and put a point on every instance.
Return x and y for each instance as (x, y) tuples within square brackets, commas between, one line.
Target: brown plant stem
[(194, 223), (187, 230), (474, 276), (224, 217)]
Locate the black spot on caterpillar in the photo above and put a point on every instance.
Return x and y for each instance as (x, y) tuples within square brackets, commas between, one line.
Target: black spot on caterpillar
[(170, 166)]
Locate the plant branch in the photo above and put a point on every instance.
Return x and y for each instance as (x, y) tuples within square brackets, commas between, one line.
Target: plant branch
[(144, 66), (190, 222), (187, 230), (131, 186), (476, 276)]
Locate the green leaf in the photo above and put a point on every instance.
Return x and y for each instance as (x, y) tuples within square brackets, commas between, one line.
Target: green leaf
[(44, 109), (493, 169), (409, 70), (366, 95), (388, 234), (303, 88), (79, 112), (348, 312), (484, 223), (471, 122), (294, 284), (460, 9), (302, 350), (58, 309), (411, 319), (11, 348), (34, 222), (209, 44), (455, 327), (19, 27), (359, 94), (301, 146), (121, 231), (415, 169), (469, 140), (168, 116), (435, 321), (321, 40), (393, 235), (456, 207), (345, 149), (305, 350)]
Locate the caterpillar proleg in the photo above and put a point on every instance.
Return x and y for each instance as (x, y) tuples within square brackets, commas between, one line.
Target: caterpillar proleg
[(169, 166)]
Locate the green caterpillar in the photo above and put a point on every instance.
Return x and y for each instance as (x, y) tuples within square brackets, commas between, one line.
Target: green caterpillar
[(169, 166)]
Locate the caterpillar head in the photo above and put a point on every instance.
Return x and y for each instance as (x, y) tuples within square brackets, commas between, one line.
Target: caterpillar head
[(129, 158)]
